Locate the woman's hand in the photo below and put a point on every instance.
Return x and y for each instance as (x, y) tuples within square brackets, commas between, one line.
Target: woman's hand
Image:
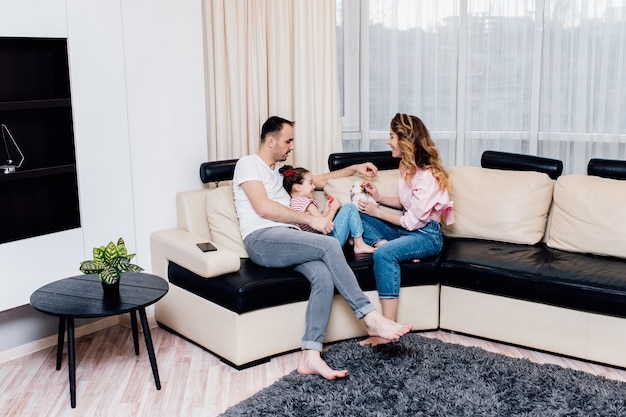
[(372, 190), (368, 207)]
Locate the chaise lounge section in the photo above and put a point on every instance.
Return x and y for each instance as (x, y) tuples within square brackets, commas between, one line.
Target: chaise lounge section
[(565, 294)]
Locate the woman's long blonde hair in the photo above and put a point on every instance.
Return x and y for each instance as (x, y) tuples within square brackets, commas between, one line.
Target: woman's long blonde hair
[(418, 149)]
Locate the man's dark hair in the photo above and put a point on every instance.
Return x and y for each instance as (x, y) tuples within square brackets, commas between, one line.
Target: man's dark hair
[(273, 125)]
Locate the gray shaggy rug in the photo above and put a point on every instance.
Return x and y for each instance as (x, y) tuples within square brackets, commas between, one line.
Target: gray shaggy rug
[(418, 376)]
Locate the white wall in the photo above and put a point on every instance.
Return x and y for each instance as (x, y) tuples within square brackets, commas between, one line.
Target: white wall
[(137, 83)]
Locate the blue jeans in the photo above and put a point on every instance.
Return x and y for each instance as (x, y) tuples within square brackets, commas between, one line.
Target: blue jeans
[(403, 245), (347, 224), (321, 260)]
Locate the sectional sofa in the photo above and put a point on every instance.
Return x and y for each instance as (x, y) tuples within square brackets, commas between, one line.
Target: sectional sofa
[(535, 259)]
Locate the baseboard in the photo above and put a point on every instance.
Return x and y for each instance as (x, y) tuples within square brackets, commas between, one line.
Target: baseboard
[(51, 341)]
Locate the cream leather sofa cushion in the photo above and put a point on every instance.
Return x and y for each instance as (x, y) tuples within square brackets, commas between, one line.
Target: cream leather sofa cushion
[(386, 181), (493, 204), (223, 221), (589, 215)]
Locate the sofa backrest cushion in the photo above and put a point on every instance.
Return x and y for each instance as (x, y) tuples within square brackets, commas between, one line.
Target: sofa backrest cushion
[(386, 181), (223, 221), (493, 204), (190, 207), (588, 215)]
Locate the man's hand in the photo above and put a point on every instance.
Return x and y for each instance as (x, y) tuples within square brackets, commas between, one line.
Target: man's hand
[(367, 169), (321, 224)]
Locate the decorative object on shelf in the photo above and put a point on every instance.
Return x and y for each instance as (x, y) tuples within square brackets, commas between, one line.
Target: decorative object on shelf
[(10, 167), (110, 262)]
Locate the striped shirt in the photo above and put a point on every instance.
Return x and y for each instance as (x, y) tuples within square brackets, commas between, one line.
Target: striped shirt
[(301, 204)]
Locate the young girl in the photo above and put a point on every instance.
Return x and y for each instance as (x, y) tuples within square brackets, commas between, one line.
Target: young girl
[(299, 184), (423, 198)]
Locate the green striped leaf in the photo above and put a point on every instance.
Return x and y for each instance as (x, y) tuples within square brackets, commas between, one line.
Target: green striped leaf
[(109, 275), (90, 267)]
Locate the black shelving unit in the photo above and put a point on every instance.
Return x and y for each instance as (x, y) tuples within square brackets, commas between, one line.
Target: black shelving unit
[(41, 197)]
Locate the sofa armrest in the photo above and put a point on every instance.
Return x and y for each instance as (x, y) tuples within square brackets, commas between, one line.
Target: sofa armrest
[(520, 162), (179, 246)]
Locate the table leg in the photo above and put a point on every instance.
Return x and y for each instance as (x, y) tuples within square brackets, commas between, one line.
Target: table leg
[(133, 325), (71, 354), (146, 334), (60, 341)]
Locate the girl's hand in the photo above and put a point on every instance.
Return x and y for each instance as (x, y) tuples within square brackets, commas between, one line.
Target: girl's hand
[(333, 204)]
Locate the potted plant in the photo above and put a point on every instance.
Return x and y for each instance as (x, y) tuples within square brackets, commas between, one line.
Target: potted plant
[(110, 262)]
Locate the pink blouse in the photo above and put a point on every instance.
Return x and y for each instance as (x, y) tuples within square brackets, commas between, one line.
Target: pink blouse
[(423, 201)]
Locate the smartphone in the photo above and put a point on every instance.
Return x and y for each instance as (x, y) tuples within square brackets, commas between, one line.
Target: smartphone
[(206, 247)]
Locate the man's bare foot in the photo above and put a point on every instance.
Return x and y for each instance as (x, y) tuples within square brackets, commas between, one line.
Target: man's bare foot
[(378, 325), (311, 363), (361, 247), (373, 341)]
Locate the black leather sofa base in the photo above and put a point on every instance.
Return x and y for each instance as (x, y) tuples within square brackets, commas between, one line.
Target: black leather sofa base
[(536, 273), (254, 287), (590, 283)]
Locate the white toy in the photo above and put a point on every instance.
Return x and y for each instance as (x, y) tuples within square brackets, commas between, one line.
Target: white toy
[(358, 192)]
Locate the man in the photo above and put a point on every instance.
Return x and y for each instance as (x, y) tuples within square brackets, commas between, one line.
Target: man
[(272, 240)]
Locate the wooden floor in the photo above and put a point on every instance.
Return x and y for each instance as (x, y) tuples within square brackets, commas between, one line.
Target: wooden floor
[(112, 381)]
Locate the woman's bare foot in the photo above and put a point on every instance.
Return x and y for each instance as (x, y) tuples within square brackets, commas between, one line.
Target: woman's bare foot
[(373, 341), (361, 247), (378, 325), (311, 363)]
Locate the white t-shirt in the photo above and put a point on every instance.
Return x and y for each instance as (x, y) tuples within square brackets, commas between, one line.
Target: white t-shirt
[(252, 168)]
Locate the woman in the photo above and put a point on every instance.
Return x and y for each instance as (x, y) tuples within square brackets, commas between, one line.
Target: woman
[(423, 198)]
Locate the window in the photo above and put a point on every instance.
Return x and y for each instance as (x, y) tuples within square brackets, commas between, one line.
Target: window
[(533, 76)]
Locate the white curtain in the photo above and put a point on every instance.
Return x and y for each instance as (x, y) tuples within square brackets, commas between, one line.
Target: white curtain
[(583, 82), (412, 53), (272, 57), (544, 77), (316, 89)]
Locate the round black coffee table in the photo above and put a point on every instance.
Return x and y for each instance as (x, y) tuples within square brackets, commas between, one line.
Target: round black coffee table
[(82, 297)]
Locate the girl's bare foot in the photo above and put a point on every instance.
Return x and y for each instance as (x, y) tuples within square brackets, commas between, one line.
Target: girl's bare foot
[(373, 341), (311, 363), (380, 242), (361, 247), (378, 325)]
